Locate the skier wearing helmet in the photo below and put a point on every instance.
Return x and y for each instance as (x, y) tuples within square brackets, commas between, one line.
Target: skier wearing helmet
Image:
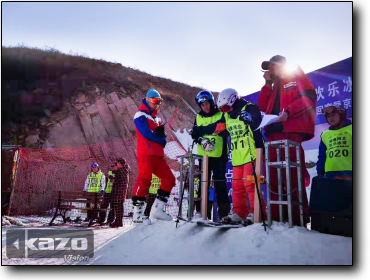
[(242, 118), (151, 139), (210, 135), (335, 150)]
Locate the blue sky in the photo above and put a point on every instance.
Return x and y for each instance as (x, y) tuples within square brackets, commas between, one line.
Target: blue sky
[(211, 45)]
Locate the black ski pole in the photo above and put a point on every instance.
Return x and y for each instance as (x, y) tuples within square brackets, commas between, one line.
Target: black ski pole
[(255, 179)]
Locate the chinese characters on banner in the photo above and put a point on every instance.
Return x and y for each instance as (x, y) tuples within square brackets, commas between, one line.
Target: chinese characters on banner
[(333, 95)]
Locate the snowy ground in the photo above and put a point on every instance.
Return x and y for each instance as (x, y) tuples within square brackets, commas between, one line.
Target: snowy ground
[(162, 243)]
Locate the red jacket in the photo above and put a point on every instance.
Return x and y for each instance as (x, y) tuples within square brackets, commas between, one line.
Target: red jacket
[(298, 97), (148, 143)]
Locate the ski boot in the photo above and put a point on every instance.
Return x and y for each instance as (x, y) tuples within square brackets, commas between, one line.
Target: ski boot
[(233, 219), (197, 217), (157, 211), (138, 208), (250, 219)]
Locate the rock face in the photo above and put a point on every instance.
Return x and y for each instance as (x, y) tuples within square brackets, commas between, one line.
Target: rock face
[(50, 99), (109, 119)]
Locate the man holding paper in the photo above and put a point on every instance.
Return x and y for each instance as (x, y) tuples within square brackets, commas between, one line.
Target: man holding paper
[(292, 96)]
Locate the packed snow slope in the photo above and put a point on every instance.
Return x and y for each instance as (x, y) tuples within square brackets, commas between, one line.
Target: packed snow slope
[(163, 244)]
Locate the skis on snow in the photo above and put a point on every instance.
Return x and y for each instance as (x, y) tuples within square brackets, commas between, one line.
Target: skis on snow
[(223, 225)]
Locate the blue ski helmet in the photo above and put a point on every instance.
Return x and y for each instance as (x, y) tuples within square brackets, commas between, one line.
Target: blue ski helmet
[(152, 93), (205, 96)]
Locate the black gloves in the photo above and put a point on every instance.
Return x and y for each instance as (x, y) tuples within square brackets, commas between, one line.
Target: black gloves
[(159, 131), (233, 115)]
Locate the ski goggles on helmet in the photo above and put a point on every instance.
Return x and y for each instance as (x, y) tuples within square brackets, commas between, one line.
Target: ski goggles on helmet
[(202, 99), (155, 100), (94, 165), (332, 109)]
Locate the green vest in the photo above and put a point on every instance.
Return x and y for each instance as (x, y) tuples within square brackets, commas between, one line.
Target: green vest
[(239, 140), (109, 183), (94, 181), (215, 139), (338, 149), (196, 187), (155, 184)]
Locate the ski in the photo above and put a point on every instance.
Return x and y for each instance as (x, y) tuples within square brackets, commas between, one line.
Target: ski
[(221, 225)]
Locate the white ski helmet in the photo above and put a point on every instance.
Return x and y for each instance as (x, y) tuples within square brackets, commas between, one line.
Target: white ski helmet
[(226, 99)]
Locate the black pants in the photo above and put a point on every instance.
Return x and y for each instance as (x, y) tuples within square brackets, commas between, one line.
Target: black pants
[(218, 167), (90, 213), (117, 200), (107, 202)]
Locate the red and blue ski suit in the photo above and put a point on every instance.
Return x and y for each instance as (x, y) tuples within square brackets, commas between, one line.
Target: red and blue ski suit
[(150, 152)]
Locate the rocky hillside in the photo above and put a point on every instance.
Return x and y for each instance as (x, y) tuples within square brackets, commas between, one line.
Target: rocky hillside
[(50, 99)]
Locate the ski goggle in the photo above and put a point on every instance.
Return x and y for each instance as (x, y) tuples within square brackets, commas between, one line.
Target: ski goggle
[(94, 165), (330, 110), (202, 99), (155, 100), (226, 108)]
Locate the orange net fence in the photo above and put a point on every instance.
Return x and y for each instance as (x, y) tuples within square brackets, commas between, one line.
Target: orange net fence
[(43, 174)]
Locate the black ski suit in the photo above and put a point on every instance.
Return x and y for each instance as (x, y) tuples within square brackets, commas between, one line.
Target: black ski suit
[(216, 165)]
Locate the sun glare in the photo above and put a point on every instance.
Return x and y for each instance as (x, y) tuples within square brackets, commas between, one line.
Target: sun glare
[(290, 68)]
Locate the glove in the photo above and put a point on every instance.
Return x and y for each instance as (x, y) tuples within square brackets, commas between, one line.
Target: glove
[(207, 145), (246, 117), (220, 127), (159, 131), (233, 115), (164, 143)]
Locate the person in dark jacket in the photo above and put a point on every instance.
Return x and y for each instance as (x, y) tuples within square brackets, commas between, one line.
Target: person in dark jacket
[(120, 184), (211, 136), (292, 97), (335, 150)]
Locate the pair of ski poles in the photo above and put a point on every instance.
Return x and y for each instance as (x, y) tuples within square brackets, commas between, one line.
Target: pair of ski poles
[(254, 175), (186, 179)]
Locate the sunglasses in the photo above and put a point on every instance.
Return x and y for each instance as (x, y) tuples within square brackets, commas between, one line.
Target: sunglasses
[(155, 101)]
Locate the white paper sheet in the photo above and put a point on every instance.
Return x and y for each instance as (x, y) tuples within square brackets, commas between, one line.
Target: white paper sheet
[(268, 119)]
